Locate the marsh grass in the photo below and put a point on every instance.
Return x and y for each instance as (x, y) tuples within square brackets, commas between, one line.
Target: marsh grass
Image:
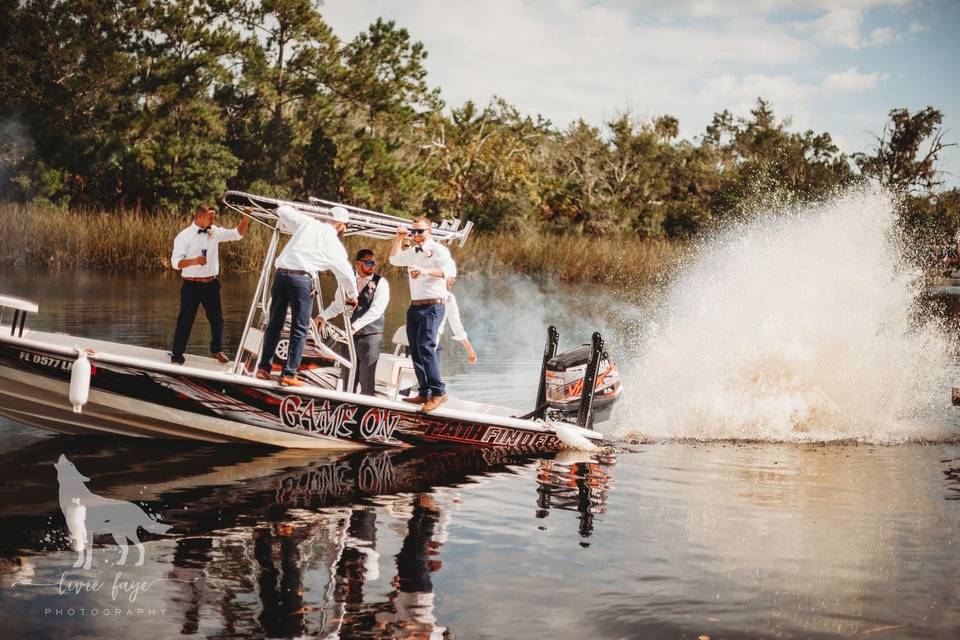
[(47, 238)]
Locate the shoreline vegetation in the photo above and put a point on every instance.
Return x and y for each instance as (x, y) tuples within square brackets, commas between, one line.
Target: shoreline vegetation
[(153, 108), (49, 238)]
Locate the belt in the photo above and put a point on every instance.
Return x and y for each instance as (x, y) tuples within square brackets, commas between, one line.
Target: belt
[(207, 279), (426, 301), (295, 272)]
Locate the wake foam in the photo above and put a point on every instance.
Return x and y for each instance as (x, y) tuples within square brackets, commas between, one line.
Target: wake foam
[(800, 326)]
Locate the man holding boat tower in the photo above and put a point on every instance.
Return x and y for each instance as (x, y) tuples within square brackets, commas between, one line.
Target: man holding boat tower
[(314, 246)]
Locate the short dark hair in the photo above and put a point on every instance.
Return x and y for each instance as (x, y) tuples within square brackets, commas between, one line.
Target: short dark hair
[(203, 208), (363, 254)]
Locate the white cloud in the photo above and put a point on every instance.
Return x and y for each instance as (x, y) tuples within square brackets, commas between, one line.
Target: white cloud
[(852, 80), (917, 27), (740, 8), (593, 58), (788, 94), (839, 27), (880, 36), (842, 27)]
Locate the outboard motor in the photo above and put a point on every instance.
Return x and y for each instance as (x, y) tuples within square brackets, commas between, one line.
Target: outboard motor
[(564, 375)]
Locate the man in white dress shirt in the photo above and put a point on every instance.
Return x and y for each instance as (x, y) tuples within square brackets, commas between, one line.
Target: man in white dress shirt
[(196, 255), (452, 319), (313, 247), (429, 265), (366, 321)]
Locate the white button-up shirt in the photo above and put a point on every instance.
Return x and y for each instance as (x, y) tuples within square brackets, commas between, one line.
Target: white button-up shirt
[(378, 306), (314, 246), (434, 256), (452, 317), (190, 243)]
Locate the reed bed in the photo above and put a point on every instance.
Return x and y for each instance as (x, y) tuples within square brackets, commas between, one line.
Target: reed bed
[(48, 238)]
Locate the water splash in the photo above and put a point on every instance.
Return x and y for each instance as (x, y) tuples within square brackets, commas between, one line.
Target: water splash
[(801, 326)]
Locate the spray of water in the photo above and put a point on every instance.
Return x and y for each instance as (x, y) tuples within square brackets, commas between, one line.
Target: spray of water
[(800, 326)]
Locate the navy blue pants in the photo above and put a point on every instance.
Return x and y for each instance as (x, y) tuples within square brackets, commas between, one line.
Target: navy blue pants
[(290, 290), (192, 295), (423, 325)]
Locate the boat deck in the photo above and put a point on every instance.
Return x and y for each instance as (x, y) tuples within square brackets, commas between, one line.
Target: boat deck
[(125, 350), (161, 356)]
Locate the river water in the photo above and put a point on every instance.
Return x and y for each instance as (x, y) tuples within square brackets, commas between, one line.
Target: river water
[(786, 465)]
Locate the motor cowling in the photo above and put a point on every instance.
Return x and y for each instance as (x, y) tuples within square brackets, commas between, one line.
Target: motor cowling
[(564, 375)]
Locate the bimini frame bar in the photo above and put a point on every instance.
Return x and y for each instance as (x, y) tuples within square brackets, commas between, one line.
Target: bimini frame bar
[(363, 222)]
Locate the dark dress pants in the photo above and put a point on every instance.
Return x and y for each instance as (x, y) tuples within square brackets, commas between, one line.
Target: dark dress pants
[(192, 295), (290, 290), (368, 352), (423, 325)]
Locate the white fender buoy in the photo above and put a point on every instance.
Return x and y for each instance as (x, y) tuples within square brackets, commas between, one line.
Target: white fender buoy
[(571, 439), (80, 381)]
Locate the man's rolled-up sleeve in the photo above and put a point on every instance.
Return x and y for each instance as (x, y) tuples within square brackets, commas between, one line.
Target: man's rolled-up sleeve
[(179, 252), (403, 259), (227, 235)]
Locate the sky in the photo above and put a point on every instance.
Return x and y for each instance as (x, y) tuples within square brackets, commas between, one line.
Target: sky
[(830, 65)]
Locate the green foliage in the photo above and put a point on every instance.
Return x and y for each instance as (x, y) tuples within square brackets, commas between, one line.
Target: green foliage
[(156, 105), (897, 162)]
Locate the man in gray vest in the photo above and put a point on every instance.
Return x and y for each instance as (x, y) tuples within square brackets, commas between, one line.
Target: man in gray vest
[(366, 320)]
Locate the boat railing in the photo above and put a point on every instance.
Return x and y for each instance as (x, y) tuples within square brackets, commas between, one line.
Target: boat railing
[(363, 222), (20, 310)]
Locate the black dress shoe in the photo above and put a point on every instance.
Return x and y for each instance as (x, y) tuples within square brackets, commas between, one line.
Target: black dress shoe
[(176, 360)]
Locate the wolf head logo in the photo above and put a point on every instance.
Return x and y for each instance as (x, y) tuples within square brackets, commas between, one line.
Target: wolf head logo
[(88, 514)]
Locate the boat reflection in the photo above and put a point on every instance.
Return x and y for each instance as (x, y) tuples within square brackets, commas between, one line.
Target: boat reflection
[(574, 482), (283, 544)]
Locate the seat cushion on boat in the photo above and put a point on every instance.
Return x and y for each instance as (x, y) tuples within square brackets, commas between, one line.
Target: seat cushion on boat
[(395, 371)]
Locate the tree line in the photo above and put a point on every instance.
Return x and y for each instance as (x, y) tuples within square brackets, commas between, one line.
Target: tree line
[(156, 104)]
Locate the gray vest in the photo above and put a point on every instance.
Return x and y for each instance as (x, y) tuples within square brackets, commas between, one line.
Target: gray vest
[(364, 300)]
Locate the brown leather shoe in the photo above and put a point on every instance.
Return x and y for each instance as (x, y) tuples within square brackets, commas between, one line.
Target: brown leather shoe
[(291, 381), (263, 374), (415, 400), (433, 403), (220, 356)]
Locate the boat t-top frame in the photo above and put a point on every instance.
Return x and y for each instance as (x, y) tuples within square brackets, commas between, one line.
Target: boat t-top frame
[(363, 222)]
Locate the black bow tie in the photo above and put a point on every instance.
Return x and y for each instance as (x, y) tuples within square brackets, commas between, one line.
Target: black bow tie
[(418, 249), (203, 230)]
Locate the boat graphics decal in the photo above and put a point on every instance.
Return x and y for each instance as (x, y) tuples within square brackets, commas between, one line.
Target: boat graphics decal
[(280, 408)]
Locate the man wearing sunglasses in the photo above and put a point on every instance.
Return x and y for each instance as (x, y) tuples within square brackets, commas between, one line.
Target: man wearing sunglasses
[(366, 321), (429, 265)]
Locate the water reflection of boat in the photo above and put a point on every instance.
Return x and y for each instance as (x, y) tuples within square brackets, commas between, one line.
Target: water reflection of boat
[(287, 543), (75, 385), (574, 483)]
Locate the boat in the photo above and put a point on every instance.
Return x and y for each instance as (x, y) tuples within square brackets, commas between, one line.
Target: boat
[(76, 385)]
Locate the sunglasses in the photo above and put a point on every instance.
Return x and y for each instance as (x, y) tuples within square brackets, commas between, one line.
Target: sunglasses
[(417, 232), (369, 263)]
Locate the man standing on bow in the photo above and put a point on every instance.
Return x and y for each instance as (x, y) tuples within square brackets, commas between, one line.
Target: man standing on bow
[(313, 247), (366, 321), (429, 265), (196, 255)]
